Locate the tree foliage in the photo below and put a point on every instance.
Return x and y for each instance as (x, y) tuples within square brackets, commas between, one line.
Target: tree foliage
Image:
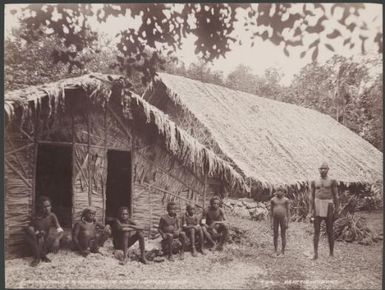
[(27, 64), (163, 27)]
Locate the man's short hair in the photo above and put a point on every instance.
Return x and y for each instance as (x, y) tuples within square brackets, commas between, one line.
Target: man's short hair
[(324, 165), (170, 204), (42, 199), (122, 208), (214, 198), (189, 206), (87, 211)]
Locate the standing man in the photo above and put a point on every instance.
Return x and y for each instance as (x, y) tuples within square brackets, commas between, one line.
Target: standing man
[(280, 217), (323, 206)]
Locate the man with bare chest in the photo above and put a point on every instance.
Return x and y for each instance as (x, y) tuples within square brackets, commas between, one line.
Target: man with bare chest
[(213, 223), (89, 235), (323, 206)]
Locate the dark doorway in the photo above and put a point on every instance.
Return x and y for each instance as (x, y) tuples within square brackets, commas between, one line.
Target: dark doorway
[(54, 179), (118, 191)]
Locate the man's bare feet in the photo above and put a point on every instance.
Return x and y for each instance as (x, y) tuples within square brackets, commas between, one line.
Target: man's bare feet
[(194, 253), (171, 258), (143, 260), (45, 259), (220, 247), (124, 261), (35, 262)]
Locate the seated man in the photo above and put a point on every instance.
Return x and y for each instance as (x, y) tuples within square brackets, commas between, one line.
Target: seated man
[(44, 232), (190, 222), (213, 221), (169, 229), (125, 233), (88, 235)]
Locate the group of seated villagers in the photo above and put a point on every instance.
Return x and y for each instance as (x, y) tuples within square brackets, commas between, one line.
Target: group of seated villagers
[(44, 231)]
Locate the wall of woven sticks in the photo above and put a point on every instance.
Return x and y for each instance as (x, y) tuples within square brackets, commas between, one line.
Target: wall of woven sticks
[(157, 177)]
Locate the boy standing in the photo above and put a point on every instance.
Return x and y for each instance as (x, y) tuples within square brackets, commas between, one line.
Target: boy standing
[(169, 228), (280, 216)]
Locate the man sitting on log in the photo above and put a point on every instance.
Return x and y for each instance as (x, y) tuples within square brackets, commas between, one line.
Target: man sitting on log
[(169, 228), (125, 233), (280, 215), (213, 221), (89, 235), (44, 232), (190, 222)]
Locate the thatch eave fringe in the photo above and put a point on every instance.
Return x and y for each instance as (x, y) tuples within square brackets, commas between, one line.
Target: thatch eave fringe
[(187, 149)]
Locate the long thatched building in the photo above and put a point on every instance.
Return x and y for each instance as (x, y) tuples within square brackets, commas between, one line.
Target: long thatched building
[(267, 141), (88, 141)]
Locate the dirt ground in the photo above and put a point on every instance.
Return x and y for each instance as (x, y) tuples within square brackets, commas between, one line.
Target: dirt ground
[(249, 263)]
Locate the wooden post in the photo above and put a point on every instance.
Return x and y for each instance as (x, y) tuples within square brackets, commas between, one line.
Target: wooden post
[(132, 171), (204, 191), (150, 205), (34, 169), (104, 182), (89, 159), (73, 167), (250, 183)]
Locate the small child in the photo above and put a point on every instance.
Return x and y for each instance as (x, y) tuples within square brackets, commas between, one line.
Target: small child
[(190, 224), (89, 235), (169, 228), (280, 216)]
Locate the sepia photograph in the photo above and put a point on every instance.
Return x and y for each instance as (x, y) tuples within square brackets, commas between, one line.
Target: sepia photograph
[(193, 145)]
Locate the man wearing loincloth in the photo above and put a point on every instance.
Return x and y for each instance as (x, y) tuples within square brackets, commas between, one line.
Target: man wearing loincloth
[(323, 206)]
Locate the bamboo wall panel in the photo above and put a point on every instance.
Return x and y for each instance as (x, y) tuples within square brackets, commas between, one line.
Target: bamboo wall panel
[(81, 128), (156, 172), (97, 134), (59, 129), (98, 173), (81, 173), (18, 170), (116, 137), (141, 206)]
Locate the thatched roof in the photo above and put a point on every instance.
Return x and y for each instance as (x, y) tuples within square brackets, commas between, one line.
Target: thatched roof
[(273, 142), (21, 104)]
